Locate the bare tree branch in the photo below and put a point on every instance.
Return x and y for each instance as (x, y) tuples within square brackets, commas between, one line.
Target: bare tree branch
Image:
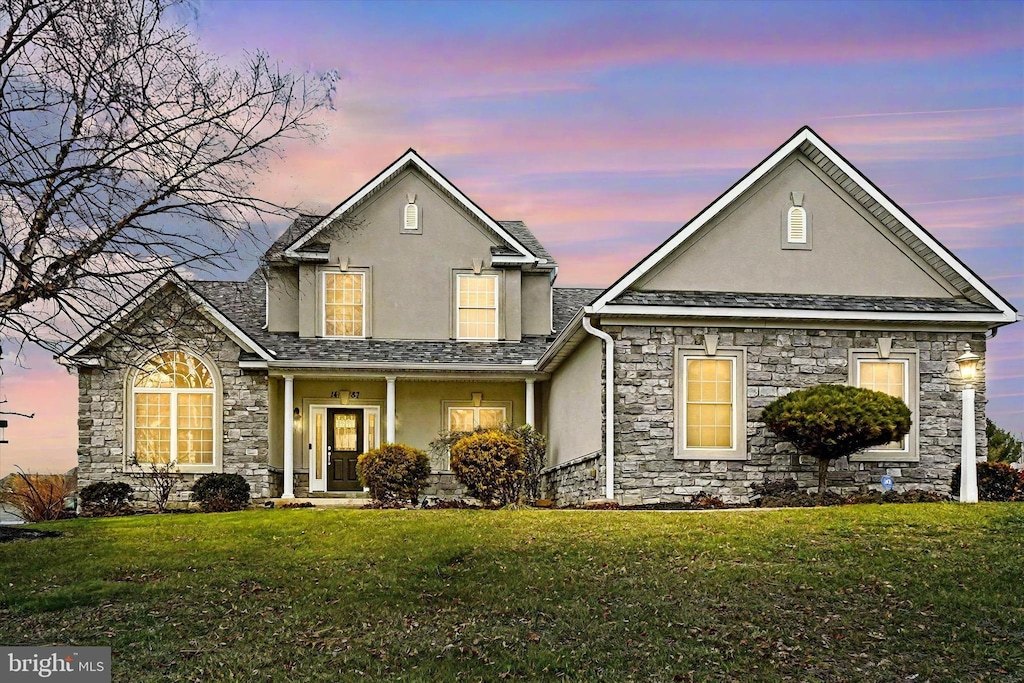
[(127, 152)]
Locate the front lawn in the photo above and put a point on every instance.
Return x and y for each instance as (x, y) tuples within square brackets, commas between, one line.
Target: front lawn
[(878, 593)]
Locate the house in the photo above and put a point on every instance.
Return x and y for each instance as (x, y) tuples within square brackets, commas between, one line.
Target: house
[(408, 310)]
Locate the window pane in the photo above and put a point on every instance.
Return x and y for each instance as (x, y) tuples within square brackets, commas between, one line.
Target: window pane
[(460, 420), (345, 435), (195, 429), (709, 403), (174, 370), (343, 304), (889, 378), (491, 418), (153, 428), (477, 307)]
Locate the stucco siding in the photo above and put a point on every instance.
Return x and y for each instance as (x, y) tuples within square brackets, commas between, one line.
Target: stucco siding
[(536, 303), (283, 299), (411, 274), (574, 419), (850, 253)]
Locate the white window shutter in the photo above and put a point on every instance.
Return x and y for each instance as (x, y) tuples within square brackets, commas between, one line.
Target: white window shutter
[(412, 217), (797, 232)]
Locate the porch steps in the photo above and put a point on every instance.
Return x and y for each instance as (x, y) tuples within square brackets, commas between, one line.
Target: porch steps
[(347, 501)]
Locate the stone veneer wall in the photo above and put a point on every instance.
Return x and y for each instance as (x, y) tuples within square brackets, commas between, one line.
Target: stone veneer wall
[(778, 361), (576, 481), (101, 416)]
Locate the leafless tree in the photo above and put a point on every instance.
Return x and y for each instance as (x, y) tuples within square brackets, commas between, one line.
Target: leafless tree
[(126, 152)]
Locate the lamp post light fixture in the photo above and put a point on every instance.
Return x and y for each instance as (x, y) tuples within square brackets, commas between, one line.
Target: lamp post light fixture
[(968, 364)]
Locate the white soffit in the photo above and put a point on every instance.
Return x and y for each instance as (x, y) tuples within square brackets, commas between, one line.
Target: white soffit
[(802, 136), (414, 158)]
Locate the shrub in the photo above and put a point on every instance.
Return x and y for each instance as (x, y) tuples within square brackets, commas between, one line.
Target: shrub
[(394, 472), (534, 444), (1002, 445), (490, 466), (37, 497), (106, 498), (832, 421), (158, 479), (221, 492), (997, 481)]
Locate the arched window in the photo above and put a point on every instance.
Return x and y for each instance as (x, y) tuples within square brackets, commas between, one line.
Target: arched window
[(412, 217), (174, 408)]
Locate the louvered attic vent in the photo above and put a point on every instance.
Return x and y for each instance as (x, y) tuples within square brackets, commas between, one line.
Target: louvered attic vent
[(797, 232), (412, 217)]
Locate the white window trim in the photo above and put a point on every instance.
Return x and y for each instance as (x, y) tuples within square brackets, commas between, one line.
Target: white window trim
[(738, 356), (323, 302), (911, 383), (497, 305), (132, 391)]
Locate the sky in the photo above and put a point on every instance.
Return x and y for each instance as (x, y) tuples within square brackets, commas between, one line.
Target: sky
[(607, 126)]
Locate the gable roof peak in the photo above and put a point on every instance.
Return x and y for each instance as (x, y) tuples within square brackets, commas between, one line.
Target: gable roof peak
[(874, 199)]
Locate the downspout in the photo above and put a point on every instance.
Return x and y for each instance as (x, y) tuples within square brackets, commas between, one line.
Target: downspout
[(609, 409)]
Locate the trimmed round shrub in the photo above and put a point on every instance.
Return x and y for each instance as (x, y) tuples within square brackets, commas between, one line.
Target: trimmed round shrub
[(490, 466), (832, 421), (997, 482), (221, 492), (394, 472), (106, 498)]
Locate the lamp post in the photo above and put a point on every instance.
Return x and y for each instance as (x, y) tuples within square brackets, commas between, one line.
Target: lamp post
[(968, 364)]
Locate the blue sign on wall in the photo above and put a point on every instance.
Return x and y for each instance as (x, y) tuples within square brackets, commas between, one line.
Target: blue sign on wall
[(887, 483)]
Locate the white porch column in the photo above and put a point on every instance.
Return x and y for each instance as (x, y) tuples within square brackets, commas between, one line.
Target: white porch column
[(390, 438), (968, 451), (289, 437), (529, 402)]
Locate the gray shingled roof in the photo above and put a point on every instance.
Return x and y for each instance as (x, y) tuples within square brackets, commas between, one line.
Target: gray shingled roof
[(566, 301), (303, 224), (243, 304), (522, 233), (816, 302)]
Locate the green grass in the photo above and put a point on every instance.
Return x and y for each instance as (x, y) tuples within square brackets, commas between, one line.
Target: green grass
[(872, 593)]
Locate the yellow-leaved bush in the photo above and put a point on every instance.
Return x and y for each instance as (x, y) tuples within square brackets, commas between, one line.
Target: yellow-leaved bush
[(490, 465), (394, 472)]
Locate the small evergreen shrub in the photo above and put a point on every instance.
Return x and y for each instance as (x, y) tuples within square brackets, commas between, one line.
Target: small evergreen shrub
[(221, 492), (490, 466), (106, 499), (394, 472), (832, 421), (997, 482)]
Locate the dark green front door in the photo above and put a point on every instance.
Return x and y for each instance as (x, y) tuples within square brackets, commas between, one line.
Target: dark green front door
[(344, 445)]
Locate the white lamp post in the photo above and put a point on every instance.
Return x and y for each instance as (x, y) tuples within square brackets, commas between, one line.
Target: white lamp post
[(968, 364)]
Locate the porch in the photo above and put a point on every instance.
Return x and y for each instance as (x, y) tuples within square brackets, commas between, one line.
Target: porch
[(321, 421)]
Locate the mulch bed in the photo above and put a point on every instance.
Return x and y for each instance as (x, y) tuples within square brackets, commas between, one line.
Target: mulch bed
[(15, 532)]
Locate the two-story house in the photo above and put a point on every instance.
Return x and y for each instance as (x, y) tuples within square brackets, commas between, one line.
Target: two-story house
[(408, 310)]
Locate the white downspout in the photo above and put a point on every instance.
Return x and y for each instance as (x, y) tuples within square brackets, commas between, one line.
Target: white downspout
[(609, 409)]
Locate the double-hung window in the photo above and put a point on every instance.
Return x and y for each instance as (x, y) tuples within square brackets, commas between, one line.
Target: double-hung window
[(477, 306), (711, 407), (896, 376), (344, 304)]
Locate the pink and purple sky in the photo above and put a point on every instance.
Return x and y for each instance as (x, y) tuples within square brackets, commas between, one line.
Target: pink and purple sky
[(605, 126)]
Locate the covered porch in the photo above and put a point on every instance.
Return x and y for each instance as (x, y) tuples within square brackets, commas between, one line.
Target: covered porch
[(322, 420)]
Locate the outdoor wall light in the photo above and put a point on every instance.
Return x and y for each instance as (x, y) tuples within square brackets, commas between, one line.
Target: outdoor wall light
[(297, 419), (968, 364)]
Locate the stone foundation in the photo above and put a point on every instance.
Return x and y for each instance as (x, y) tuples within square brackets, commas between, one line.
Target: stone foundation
[(777, 361)]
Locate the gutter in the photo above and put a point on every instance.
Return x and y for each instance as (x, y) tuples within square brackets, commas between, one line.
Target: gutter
[(609, 411)]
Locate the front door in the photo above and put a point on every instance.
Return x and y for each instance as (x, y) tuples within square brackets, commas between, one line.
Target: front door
[(344, 446)]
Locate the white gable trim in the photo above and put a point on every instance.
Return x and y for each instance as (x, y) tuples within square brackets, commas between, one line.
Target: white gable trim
[(409, 157), (240, 337), (805, 134)]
